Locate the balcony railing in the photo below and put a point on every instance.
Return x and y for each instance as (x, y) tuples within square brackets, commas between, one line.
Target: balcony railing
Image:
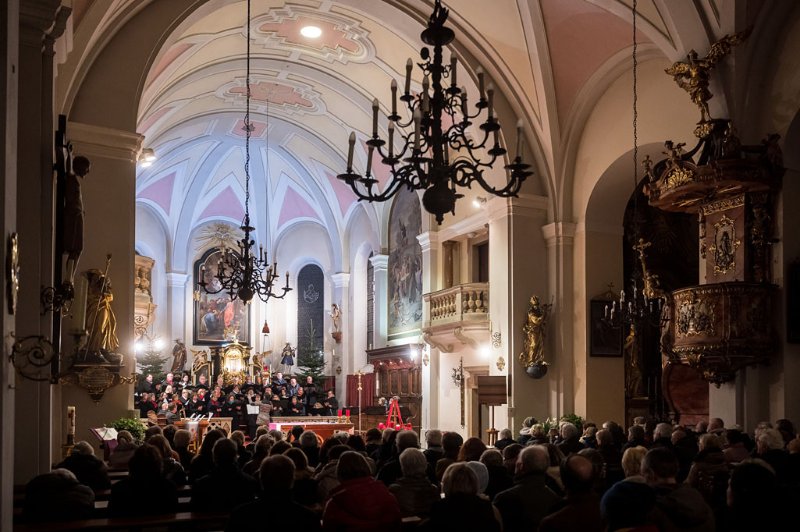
[(465, 302)]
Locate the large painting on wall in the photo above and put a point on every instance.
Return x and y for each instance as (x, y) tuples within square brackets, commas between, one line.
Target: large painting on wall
[(405, 264), (216, 317)]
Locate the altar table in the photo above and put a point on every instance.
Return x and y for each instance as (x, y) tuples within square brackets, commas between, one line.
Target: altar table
[(323, 426)]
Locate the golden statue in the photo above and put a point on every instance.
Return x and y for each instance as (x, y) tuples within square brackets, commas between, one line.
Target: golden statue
[(693, 76), (102, 324), (535, 322)]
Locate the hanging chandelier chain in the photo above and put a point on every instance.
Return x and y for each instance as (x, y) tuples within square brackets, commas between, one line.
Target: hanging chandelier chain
[(635, 123), (247, 127)]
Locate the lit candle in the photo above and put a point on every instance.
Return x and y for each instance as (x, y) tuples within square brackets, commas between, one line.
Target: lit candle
[(375, 105), (394, 97), (479, 71), (352, 142), (391, 139), (519, 139), (409, 66), (453, 79), (339, 413), (417, 121), (347, 413)]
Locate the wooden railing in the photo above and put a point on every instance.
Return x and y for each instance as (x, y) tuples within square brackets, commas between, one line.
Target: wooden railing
[(465, 302)]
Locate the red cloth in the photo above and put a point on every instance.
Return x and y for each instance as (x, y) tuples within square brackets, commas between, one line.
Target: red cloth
[(361, 505), (367, 390)]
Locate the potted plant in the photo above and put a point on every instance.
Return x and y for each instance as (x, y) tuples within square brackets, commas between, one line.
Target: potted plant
[(132, 425)]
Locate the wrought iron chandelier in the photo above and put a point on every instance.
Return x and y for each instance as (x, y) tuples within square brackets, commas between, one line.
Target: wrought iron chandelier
[(424, 160), (241, 272), (644, 301)]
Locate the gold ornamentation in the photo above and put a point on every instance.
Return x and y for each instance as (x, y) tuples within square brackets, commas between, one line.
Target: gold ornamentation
[(724, 246), (693, 75), (501, 363), (694, 317), (534, 329), (96, 380), (723, 205), (12, 272), (677, 177)]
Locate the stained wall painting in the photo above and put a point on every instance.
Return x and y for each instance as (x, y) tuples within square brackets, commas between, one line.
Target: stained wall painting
[(216, 317), (405, 265)]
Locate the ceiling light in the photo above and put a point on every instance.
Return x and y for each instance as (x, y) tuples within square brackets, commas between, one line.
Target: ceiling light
[(479, 202), (147, 156), (311, 32)]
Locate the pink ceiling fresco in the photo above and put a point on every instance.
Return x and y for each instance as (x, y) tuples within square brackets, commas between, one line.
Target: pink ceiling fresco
[(160, 192), (145, 124), (331, 38), (581, 37), (226, 204), (295, 206), (344, 195), (275, 93), (258, 128), (166, 60)]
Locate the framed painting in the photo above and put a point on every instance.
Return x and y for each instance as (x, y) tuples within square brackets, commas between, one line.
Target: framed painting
[(605, 338), (216, 317)]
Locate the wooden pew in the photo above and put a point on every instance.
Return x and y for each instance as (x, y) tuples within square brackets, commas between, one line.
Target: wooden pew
[(176, 521)]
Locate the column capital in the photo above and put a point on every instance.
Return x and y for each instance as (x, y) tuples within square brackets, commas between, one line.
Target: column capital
[(105, 142), (379, 262), (177, 279), (559, 233), (427, 240), (524, 205), (37, 16), (340, 279)]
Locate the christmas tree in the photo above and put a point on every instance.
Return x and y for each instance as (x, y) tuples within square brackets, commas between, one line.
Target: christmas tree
[(310, 357), (152, 363)]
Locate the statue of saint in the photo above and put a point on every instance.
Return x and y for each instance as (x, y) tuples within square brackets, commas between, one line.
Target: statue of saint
[(102, 324), (336, 316), (534, 333), (287, 356), (73, 215), (178, 357)]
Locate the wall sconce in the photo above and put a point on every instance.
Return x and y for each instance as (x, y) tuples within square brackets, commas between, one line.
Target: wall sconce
[(147, 157), (425, 358), (479, 202), (501, 363)]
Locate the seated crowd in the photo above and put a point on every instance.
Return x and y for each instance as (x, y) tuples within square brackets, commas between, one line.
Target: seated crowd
[(657, 477)]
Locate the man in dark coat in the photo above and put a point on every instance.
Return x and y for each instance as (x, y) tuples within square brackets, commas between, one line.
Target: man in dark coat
[(523, 506), (226, 486)]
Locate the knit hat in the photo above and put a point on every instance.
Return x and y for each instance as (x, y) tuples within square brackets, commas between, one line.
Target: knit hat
[(482, 472)]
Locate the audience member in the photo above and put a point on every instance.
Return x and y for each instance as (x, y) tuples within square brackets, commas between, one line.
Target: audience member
[(580, 509), (636, 437), (90, 470), (451, 444), (413, 490), (462, 508), (632, 462), (57, 496), (203, 462), (326, 477), (309, 444), (570, 439), (274, 509), (122, 453), (736, 450), (391, 471), (710, 472), (171, 469), (260, 451), (471, 450), (770, 448), (304, 490), (499, 477), (525, 504), (360, 503), (145, 491), (482, 474), (753, 498), (510, 455), (225, 487), (506, 437), (629, 504)]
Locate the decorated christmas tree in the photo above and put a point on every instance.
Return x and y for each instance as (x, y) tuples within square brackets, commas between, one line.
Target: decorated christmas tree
[(310, 357), (152, 363)]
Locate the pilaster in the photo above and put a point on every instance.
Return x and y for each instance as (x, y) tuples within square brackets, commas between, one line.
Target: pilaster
[(343, 351), (174, 315), (380, 265)]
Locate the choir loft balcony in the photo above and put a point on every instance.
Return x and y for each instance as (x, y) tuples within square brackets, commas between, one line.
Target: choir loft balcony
[(457, 317)]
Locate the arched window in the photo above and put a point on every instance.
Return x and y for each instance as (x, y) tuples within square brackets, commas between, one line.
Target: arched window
[(310, 309)]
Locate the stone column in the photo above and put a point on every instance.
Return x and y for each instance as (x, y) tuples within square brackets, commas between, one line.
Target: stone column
[(348, 360), (380, 265), (449, 249), (37, 31), (173, 316), (517, 270), (429, 241), (9, 50)]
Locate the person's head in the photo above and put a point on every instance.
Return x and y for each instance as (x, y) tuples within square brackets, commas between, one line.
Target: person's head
[(604, 438), (293, 381), (510, 455), (182, 438), (660, 466), (297, 430), (309, 379), (170, 377), (716, 424), (238, 437), (210, 440), (300, 392), (160, 442), (308, 439), (701, 427), (662, 430), (413, 463), (146, 463), (568, 430), (124, 436), (710, 442), (351, 465), (388, 435), (356, 442), (149, 378), (331, 394), (406, 439), (769, 439), (294, 400), (278, 376), (533, 459), (433, 438), (152, 431), (373, 435), (492, 458), (505, 434), (276, 434), (451, 443), (459, 479), (201, 379), (555, 454), (482, 474), (752, 483), (83, 448), (280, 447), (277, 474), (298, 457), (225, 453), (627, 505), (264, 443), (578, 474), (632, 460), (636, 433), (471, 450)]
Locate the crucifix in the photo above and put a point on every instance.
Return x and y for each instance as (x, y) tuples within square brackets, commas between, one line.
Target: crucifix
[(359, 374), (458, 380)]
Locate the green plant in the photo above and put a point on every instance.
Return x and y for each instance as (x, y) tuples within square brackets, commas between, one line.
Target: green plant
[(132, 425), (310, 358), (575, 419)]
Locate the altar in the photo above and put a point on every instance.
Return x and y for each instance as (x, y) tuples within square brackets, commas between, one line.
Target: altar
[(323, 426)]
